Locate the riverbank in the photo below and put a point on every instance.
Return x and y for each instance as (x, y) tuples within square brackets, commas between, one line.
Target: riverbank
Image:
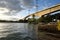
[(43, 35), (52, 26), (48, 31)]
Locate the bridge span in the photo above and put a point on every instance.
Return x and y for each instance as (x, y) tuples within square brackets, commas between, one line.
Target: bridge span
[(46, 11)]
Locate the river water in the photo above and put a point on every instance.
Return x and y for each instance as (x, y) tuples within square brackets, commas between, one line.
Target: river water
[(16, 31)]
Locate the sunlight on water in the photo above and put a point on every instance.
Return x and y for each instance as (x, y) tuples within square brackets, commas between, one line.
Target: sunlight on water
[(16, 31), (9, 28)]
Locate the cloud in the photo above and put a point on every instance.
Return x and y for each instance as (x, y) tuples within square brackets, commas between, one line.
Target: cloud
[(15, 6), (12, 5), (8, 18), (27, 3)]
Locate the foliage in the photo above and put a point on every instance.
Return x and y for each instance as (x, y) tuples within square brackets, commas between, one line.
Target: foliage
[(32, 20), (45, 19)]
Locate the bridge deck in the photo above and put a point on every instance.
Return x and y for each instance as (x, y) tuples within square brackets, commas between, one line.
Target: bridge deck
[(46, 11)]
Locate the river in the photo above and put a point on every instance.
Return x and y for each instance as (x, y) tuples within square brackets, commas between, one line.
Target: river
[(16, 31)]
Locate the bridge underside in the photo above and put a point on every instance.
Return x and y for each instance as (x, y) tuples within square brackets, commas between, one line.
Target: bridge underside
[(46, 11)]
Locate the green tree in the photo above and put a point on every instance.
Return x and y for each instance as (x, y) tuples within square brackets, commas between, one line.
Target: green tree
[(32, 20), (45, 19)]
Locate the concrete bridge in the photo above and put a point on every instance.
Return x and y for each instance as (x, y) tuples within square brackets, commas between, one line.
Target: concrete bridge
[(46, 11)]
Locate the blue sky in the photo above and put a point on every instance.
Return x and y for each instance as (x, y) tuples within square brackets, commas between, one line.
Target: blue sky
[(18, 9), (42, 4)]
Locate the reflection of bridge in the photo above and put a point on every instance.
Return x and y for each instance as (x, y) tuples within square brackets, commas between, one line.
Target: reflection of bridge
[(46, 11)]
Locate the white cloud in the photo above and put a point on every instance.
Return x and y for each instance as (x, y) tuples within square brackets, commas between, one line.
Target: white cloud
[(3, 17), (9, 9), (27, 3), (3, 10), (12, 5)]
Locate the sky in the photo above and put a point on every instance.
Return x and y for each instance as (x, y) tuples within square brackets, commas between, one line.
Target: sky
[(18, 9)]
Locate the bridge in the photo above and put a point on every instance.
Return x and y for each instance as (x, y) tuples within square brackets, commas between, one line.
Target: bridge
[(46, 11)]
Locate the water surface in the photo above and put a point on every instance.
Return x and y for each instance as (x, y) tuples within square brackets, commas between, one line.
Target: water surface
[(15, 31)]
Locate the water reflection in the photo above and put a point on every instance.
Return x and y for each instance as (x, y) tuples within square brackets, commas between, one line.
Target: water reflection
[(14, 31)]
